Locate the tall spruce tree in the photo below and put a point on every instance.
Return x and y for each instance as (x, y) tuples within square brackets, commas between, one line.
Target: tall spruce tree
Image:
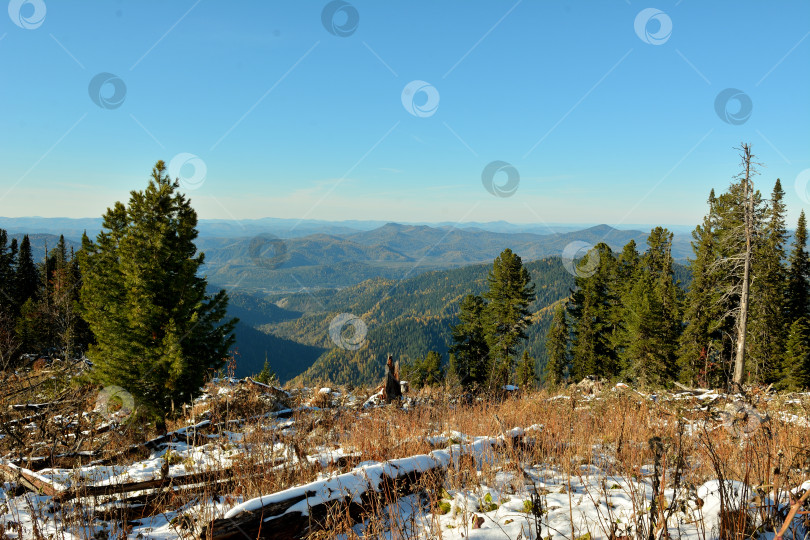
[(798, 275), (796, 370), (157, 331), (526, 374), (627, 266), (26, 275), (592, 320), (507, 312), (768, 325), (470, 351), (8, 254), (557, 348), (652, 312), (700, 344)]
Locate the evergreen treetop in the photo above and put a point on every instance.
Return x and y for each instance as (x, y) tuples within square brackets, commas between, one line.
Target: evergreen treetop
[(158, 333)]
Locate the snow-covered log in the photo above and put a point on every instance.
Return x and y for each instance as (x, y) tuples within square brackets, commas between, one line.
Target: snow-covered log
[(295, 512), (30, 480)]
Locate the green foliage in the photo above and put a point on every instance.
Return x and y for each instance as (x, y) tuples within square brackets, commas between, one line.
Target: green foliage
[(157, 331), (701, 342), (798, 273), (406, 318), (26, 274), (557, 348), (443, 507), (266, 375), (593, 323), (8, 255), (507, 314), (39, 303), (712, 306), (526, 372), (470, 347), (796, 370), (651, 315), (425, 371), (768, 323), (487, 504)]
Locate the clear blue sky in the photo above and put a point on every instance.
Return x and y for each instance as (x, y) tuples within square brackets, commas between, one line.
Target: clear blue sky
[(603, 123)]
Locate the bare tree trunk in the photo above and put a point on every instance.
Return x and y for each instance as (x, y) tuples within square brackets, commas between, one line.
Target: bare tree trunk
[(748, 201)]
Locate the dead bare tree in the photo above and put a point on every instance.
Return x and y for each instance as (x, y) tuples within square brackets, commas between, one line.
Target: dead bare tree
[(748, 226), (736, 215)]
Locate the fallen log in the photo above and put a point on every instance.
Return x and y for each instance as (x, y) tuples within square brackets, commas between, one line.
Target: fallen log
[(206, 477), (275, 391), (30, 480), (41, 462), (690, 390), (296, 512), (35, 406), (181, 434)]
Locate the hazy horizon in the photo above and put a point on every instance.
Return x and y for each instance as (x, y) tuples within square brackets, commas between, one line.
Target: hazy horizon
[(677, 227)]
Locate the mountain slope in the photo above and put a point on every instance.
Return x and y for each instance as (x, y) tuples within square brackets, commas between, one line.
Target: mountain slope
[(406, 319)]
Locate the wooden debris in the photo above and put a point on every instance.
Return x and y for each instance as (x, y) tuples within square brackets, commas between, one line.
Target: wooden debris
[(181, 435), (294, 513), (206, 477), (278, 393), (30, 480)]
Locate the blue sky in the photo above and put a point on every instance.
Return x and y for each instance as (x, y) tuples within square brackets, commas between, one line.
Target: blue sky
[(288, 118)]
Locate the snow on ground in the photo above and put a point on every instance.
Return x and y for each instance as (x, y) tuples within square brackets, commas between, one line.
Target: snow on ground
[(591, 502), (502, 504)]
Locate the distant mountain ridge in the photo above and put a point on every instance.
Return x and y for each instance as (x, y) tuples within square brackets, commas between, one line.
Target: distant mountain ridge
[(293, 228), (391, 251), (336, 254)]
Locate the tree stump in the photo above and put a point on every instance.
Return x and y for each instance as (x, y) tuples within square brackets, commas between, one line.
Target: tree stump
[(392, 389)]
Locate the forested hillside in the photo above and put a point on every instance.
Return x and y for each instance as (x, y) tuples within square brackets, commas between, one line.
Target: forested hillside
[(407, 319)]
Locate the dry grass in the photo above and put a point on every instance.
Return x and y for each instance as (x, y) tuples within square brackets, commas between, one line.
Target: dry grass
[(674, 443)]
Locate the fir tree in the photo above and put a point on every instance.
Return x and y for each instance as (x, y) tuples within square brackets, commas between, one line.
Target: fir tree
[(653, 315), (592, 348), (64, 295), (266, 375), (8, 253), (526, 373), (798, 278), (33, 327), (557, 348), (668, 296), (451, 378), (507, 313), (651, 311), (643, 361), (425, 371), (470, 349), (26, 275), (701, 342), (627, 267), (157, 331), (796, 371), (768, 325)]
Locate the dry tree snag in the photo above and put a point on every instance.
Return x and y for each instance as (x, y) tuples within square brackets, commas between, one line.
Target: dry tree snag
[(391, 387), (748, 226)]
